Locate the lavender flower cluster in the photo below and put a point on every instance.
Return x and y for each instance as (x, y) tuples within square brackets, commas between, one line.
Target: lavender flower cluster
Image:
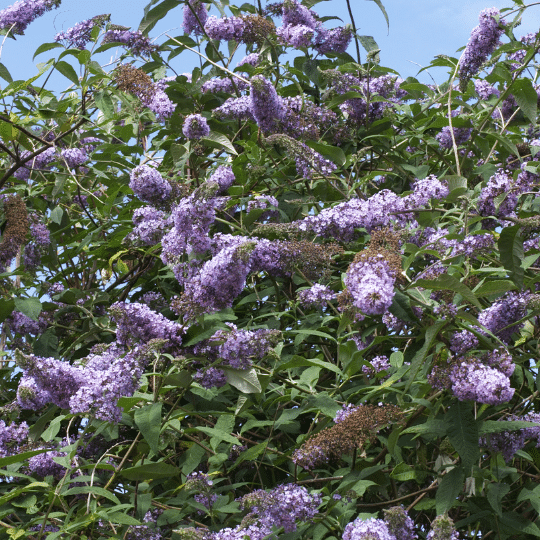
[(509, 442), (137, 323), (371, 284), (316, 295), (396, 525), (92, 386), (484, 38), (135, 41), (237, 349), (80, 34), (381, 209), (195, 127), (148, 185), (11, 437), (18, 16), (195, 17)]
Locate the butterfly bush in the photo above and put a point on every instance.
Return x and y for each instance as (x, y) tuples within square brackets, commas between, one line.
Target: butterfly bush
[(277, 295)]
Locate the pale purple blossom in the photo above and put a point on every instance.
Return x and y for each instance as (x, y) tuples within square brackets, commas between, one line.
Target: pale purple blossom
[(223, 176), (74, 157), (485, 90), (225, 29), (18, 16), (195, 127), (296, 36), (378, 364), (371, 284), (316, 295), (135, 41), (137, 323), (251, 59), (477, 382), (371, 529), (80, 34), (195, 17), (266, 105), (484, 38), (148, 185), (345, 411)]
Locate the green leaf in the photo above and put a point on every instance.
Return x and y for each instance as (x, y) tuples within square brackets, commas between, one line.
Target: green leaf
[(381, 7), (122, 518), (4, 73), (313, 333), (437, 428), (245, 380), (498, 426), (449, 489), (510, 146), (148, 420), (526, 97), (218, 434), (47, 344), (105, 103), (150, 471), (419, 357), (462, 431), (495, 494), (57, 214), (371, 47), (152, 17), (6, 308), (511, 249), (46, 47), (67, 71), (300, 361), (31, 307), (455, 181), (333, 153), (403, 472), (401, 308), (53, 429), (499, 286), (217, 140), (19, 458), (95, 490), (16, 492), (448, 282)]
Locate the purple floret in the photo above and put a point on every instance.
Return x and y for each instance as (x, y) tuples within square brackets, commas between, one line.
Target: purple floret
[(195, 17), (296, 36), (371, 529), (223, 176), (74, 157), (226, 28), (148, 185), (484, 38), (476, 382), (137, 323), (266, 105), (135, 41), (18, 16), (371, 284), (317, 295), (195, 127), (80, 34)]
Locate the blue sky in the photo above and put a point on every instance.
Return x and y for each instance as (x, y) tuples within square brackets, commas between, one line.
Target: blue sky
[(419, 30)]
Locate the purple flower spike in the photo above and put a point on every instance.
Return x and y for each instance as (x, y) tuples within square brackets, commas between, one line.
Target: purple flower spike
[(195, 127), (267, 106), (148, 185), (484, 38), (195, 15)]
